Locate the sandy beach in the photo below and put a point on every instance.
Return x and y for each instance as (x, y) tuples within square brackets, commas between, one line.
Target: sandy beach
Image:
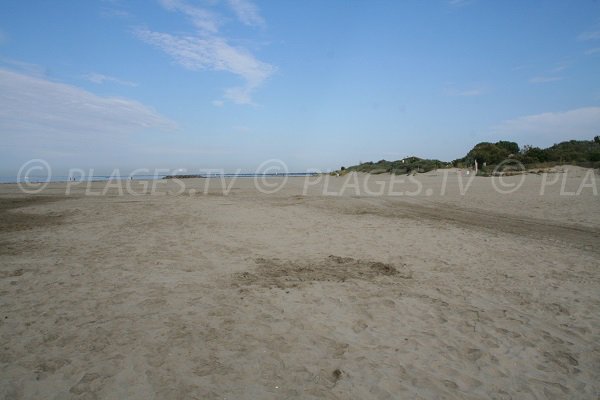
[(322, 289)]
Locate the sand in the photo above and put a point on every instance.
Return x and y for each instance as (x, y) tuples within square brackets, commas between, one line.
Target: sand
[(301, 294)]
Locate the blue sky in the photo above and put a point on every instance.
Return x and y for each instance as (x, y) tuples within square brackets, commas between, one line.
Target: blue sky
[(318, 84)]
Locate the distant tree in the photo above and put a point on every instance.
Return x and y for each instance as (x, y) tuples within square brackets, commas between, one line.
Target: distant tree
[(343, 168), (534, 155), (511, 147), (597, 139), (573, 151), (489, 153)]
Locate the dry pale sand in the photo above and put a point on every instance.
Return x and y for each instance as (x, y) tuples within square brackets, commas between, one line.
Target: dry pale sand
[(297, 294)]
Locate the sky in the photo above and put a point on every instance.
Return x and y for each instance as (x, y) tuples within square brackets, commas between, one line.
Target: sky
[(318, 84)]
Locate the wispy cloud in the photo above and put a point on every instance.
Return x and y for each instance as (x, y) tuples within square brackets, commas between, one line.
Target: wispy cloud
[(23, 67), (114, 13), (114, 9), (202, 19), (545, 79), (101, 78), (470, 92), (452, 90), (552, 74), (36, 111), (560, 67), (551, 127), (207, 49), (520, 67), (247, 12), (590, 52), (213, 53), (590, 35), (459, 3)]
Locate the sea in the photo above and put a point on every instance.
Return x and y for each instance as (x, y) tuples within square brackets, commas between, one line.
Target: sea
[(105, 178)]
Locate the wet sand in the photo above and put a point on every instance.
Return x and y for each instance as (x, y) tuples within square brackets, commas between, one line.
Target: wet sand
[(300, 293)]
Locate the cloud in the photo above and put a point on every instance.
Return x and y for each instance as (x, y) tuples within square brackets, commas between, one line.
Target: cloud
[(208, 50), (590, 52), (544, 79), (520, 67), (552, 127), (115, 13), (471, 92), (23, 67), (114, 9), (551, 74), (451, 90), (590, 35), (239, 95), (100, 79), (247, 12), (202, 19), (215, 54), (37, 112), (560, 67), (459, 3)]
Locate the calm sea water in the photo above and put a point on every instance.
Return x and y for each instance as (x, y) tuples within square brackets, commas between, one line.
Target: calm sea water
[(104, 178), (65, 178)]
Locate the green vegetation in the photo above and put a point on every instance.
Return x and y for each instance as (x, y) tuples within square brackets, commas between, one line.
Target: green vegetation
[(585, 153), (404, 166), (573, 151), (491, 153), (580, 152)]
